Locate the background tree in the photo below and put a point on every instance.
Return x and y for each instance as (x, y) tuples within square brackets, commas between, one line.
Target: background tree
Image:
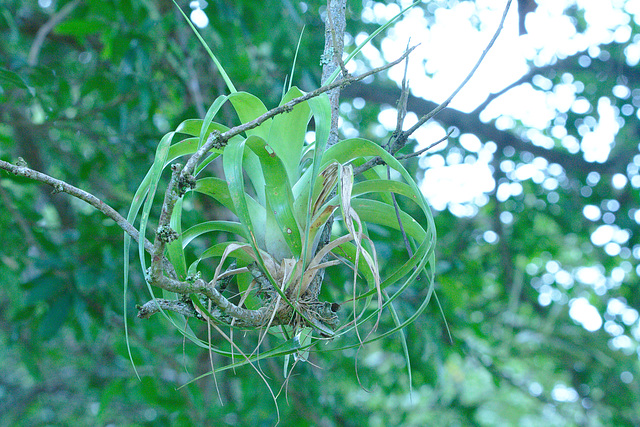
[(537, 277)]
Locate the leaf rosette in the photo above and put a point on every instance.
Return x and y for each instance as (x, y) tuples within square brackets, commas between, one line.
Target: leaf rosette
[(299, 211)]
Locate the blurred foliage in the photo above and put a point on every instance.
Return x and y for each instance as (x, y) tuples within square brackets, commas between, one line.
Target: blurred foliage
[(86, 88)]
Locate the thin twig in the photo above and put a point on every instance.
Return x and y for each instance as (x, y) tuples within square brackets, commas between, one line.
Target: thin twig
[(402, 113), (401, 140), (524, 79), (402, 102), (429, 147)]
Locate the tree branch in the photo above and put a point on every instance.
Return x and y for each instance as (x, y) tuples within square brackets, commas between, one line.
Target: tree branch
[(399, 138), (181, 180), (471, 123), (152, 307), (332, 58), (34, 52), (63, 187)]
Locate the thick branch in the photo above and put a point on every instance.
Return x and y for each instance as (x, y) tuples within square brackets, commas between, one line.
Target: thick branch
[(332, 58), (164, 233), (258, 317)]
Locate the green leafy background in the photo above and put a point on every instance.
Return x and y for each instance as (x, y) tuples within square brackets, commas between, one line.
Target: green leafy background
[(113, 77)]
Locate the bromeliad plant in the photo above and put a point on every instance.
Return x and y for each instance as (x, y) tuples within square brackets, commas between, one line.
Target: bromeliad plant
[(284, 194), (300, 210)]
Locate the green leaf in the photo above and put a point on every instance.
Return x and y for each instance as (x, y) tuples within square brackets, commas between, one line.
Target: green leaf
[(159, 163), (218, 249), (349, 251), (287, 134), (295, 57), (190, 127), (208, 118), (217, 63), (349, 149), (279, 201), (232, 163), (147, 187), (9, 77), (211, 227), (56, 315), (80, 28), (249, 107), (321, 111), (216, 188), (304, 337), (381, 213), (252, 301)]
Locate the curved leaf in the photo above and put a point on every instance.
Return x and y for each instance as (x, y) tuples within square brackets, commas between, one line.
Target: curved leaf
[(279, 201), (249, 107), (233, 170), (287, 134), (217, 189), (208, 118), (221, 70), (211, 227)]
